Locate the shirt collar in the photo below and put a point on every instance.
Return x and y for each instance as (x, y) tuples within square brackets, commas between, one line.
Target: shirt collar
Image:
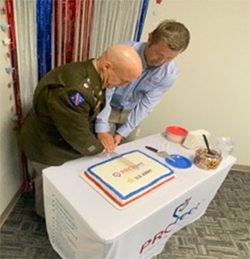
[(141, 53)]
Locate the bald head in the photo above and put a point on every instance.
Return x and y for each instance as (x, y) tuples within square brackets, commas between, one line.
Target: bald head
[(119, 65), (124, 58)]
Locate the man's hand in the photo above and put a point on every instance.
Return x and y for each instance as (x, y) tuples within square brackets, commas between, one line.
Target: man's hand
[(117, 139), (107, 141)]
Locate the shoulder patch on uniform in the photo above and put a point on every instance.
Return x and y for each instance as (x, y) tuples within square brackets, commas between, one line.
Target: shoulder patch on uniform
[(77, 99)]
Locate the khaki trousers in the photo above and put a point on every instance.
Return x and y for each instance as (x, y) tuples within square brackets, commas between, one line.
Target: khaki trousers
[(38, 180), (116, 119)]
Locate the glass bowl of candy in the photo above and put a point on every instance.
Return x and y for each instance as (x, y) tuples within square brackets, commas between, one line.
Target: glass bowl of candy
[(206, 160)]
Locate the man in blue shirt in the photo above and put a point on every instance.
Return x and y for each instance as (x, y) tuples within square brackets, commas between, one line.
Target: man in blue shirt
[(127, 107)]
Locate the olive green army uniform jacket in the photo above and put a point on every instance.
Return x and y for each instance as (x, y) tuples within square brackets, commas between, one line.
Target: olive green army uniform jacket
[(60, 127)]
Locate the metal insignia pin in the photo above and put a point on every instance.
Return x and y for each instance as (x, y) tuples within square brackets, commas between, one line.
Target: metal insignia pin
[(100, 93), (88, 80), (86, 85)]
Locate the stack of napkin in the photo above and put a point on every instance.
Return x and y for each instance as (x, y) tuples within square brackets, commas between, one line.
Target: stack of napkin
[(194, 139)]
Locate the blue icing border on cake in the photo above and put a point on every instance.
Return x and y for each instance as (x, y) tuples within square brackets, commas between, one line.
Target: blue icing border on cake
[(112, 189)]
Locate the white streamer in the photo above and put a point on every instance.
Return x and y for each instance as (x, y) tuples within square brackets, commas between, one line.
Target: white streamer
[(26, 40), (114, 22)]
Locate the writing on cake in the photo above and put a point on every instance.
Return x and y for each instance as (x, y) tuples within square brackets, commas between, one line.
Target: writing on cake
[(128, 169)]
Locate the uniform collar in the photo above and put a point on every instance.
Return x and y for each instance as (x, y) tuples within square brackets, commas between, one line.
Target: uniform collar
[(93, 74), (95, 80)]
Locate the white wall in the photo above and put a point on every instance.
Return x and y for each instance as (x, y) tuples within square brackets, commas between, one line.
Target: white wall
[(10, 177), (213, 89)]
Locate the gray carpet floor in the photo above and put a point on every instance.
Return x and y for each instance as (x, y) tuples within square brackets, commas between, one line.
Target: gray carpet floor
[(222, 233)]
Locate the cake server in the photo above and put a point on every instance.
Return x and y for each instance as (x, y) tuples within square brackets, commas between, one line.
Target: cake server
[(160, 153)]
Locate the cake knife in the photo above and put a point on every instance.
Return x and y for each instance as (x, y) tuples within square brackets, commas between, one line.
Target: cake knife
[(161, 153)]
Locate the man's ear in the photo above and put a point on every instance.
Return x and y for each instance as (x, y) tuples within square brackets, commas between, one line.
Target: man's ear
[(150, 38), (107, 65)]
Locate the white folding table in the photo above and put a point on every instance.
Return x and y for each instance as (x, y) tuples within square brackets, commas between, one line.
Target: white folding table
[(82, 224)]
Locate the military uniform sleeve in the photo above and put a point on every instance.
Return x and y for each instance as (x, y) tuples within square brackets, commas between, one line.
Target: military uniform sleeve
[(71, 119)]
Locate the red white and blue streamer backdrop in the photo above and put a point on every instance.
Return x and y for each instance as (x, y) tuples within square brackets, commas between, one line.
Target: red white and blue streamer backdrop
[(72, 30), (48, 33)]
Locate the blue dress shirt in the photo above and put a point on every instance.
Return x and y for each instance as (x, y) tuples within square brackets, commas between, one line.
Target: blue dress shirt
[(140, 96)]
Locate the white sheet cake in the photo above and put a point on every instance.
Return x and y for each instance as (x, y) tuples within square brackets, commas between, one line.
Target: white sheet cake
[(123, 183)]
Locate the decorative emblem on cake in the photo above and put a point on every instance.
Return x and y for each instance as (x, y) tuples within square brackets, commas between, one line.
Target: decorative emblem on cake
[(116, 174), (131, 180)]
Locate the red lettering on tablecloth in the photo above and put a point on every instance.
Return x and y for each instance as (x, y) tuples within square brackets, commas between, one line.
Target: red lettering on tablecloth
[(157, 236), (170, 227), (145, 245)]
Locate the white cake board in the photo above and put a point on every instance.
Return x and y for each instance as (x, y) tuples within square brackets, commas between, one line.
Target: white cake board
[(82, 175), (92, 184)]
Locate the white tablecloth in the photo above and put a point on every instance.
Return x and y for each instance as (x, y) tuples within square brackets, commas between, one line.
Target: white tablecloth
[(82, 224)]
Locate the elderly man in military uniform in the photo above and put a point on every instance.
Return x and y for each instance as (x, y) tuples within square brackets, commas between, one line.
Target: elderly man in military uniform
[(59, 126)]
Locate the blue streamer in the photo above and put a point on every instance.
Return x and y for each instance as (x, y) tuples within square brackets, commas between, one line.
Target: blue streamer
[(141, 20), (44, 38)]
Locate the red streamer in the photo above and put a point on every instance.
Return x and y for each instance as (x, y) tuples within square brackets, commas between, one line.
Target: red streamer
[(13, 56), (63, 21), (71, 15), (72, 29)]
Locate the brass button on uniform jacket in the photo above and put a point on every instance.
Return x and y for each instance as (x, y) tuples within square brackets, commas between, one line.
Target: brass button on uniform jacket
[(60, 127)]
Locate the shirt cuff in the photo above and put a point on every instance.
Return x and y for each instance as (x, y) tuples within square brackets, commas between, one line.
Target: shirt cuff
[(123, 131), (102, 127)]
